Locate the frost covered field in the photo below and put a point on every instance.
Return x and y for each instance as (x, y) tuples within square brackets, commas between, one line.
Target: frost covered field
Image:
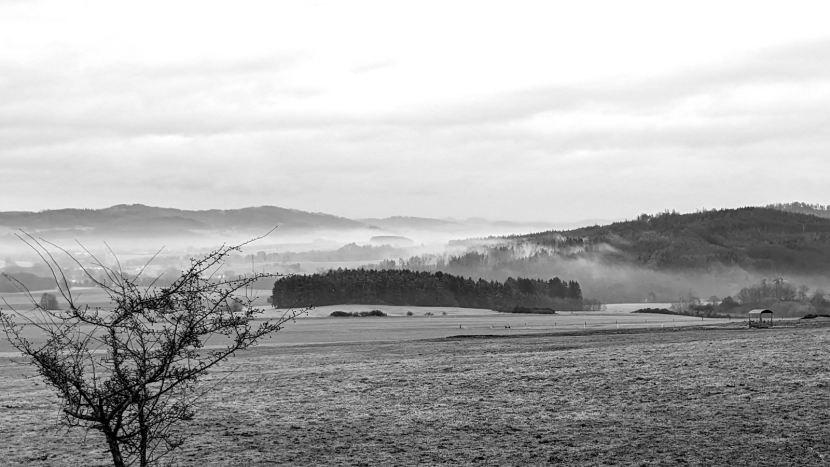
[(317, 327), (713, 395)]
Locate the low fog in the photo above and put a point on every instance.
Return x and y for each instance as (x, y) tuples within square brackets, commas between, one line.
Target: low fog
[(477, 249)]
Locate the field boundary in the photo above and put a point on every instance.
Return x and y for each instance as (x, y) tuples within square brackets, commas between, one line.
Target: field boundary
[(639, 330)]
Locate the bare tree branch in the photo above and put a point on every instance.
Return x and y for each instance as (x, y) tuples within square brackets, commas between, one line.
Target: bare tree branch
[(134, 371)]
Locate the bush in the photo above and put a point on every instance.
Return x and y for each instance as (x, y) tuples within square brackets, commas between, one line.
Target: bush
[(234, 306), (356, 314), (658, 311), (49, 302), (692, 312), (409, 313), (528, 310)]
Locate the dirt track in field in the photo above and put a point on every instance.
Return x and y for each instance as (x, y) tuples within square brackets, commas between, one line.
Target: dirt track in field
[(714, 396)]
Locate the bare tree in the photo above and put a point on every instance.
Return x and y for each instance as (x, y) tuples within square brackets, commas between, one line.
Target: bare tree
[(135, 370)]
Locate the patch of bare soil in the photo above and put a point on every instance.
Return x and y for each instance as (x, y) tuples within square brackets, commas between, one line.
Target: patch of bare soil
[(671, 397)]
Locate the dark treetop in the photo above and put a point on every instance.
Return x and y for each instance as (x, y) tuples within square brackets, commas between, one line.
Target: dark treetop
[(405, 287)]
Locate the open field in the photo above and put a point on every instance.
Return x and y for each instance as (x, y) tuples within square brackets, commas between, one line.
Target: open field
[(317, 327), (92, 296), (714, 395), (460, 321)]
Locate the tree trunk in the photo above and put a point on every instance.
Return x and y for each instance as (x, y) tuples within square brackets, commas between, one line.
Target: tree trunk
[(115, 450), (143, 448), (142, 424)]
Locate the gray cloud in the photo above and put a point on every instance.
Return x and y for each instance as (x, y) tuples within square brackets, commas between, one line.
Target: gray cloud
[(799, 64), (247, 132), (169, 99)]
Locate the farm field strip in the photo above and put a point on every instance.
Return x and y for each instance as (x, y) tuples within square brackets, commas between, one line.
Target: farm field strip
[(398, 328)]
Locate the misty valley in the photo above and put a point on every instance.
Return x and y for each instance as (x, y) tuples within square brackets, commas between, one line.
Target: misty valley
[(718, 262)]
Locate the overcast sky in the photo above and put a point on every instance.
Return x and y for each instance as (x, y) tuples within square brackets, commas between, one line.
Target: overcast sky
[(553, 111)]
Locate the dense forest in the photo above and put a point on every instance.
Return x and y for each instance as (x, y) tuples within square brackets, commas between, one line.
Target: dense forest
[(760, 239), (405, 287)]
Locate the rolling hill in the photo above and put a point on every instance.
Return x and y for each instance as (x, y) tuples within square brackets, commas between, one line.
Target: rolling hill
[(138, 219), (759, 239)]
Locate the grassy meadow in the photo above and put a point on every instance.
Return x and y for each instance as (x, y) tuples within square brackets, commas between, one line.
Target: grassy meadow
[(315, 325), (717, 394)]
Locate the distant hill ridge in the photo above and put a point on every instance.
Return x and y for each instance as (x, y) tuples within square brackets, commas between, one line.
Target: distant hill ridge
[(405, 222), (149, 218), (803, 208), (780, 233)]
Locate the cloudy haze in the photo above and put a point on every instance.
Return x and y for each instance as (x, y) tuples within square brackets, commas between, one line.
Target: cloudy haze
[(519, 111)]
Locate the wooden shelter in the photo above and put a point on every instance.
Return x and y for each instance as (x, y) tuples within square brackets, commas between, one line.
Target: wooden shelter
[(760, 318)]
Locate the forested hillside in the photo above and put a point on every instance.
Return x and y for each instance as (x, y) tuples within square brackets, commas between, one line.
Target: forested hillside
[(758, 239), (405, 287), (655, 258)]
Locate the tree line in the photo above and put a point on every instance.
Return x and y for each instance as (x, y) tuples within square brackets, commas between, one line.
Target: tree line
[(784, 298), (423, 288)]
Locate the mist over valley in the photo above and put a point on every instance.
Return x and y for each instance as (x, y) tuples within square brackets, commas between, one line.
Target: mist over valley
[(665, 257)]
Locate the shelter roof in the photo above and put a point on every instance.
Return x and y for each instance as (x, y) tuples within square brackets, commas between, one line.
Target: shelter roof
[(759, 311)]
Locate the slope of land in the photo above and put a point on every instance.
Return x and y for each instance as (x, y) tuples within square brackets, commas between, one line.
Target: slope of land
[(759, 239), (702, 397), (664, 257)]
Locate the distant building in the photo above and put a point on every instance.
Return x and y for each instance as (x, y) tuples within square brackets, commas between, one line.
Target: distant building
[(760, 318)]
